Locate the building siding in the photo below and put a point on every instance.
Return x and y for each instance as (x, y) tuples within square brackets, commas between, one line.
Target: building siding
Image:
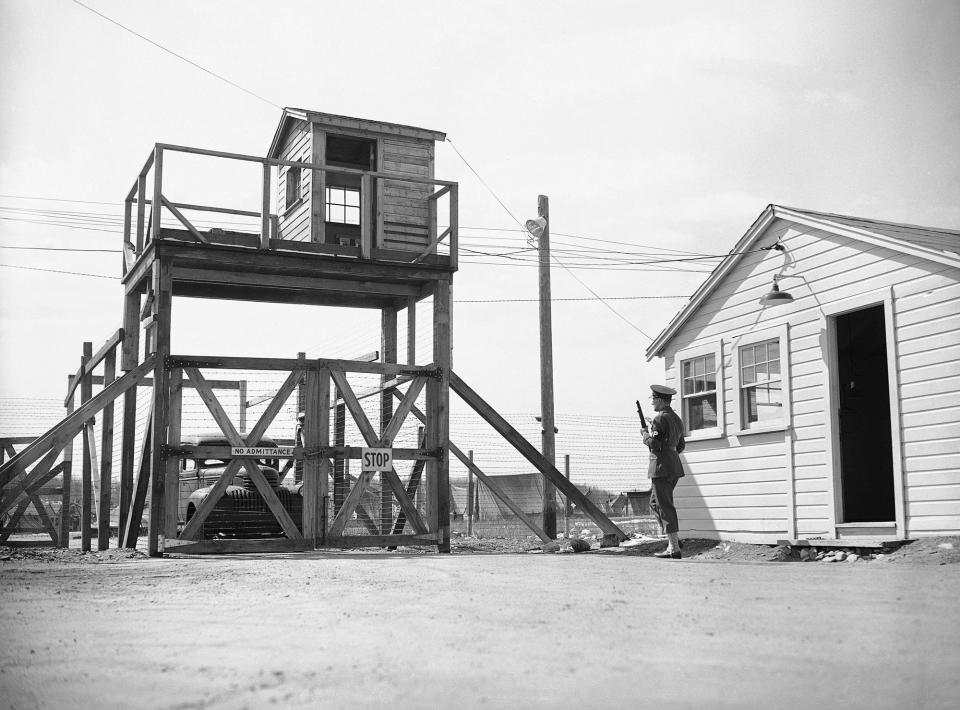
[(295, 221), (761, 486), (404, 204)]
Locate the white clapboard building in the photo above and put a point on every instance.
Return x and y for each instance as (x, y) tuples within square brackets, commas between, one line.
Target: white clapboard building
[(817, 372)]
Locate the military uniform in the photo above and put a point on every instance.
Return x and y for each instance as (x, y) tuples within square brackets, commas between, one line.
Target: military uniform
[(665, 441)]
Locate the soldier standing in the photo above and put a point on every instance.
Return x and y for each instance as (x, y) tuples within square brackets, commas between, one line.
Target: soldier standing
[(665, 441)]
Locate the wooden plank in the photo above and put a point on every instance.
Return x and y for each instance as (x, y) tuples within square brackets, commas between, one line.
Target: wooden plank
[(407, 402), (154, 227), (389, 541), (14, 519), (40, 474), (254, 363), (280, 281), (106, 454), (438, 407), (68, 427), (388, 346), (127, 451), (265, 208), (413, 483), (226, 426), (9, 441), (431, 247), (86, 479), (527, 450), (134, 519), (226, 547), (141, 208), (184, 221), (370, 436), (349, 506), (65, 514), (161, 310), (171, 467), (44, 518), (454, 225), (366, 233), (317, 397)]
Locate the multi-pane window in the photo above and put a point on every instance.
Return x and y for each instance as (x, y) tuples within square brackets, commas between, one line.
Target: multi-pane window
[(343, 205), (699, 392), (293, 186), (761, 396)]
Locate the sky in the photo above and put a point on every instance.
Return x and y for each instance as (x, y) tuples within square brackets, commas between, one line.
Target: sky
[(654, 128)]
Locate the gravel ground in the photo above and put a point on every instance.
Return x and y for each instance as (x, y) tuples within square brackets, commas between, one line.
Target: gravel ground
[(497, 624)]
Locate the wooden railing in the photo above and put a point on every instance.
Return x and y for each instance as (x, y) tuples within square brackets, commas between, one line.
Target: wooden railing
[(143, 212)]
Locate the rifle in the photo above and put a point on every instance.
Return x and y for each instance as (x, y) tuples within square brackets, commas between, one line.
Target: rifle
[(643, 422)]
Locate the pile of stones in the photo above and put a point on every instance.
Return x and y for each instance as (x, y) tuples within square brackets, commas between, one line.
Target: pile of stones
[(811, 554)]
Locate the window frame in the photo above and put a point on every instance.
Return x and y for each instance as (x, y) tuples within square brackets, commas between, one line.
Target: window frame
[(288, 204), (345, 189), (715, 349), (781, 334)]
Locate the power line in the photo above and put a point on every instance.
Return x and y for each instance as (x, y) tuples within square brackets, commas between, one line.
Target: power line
[(179, 56), (537, 300), (101, 251), (58, 271)]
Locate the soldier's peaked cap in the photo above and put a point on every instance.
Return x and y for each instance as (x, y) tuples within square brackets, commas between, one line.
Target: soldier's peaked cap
[(662, 390)]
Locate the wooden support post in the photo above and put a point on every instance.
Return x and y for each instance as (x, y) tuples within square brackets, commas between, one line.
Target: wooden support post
[(161, 309), (126, 259), (171, 484), (157, 203), (388, 353), (316, 435), (128, 444), (411, 331), (131, 524), (265, 208), (566, 499), (366, 217), (454, 226), (299, 435), (470, 494), (141, 210), (242, 420), (546, 368), (65, 512), (438, 409), (130, 350), (106, 456), (341, 478), (86, 480)]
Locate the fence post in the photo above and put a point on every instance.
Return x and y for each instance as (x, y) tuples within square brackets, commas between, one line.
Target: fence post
[(470, 495), (66, 515), (86, 481), (566, 499)]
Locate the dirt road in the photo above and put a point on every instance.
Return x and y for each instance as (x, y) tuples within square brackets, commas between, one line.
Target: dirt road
[(365, 630)]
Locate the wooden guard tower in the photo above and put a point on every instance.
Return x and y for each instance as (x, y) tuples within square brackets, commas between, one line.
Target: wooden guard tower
[(356, 225)]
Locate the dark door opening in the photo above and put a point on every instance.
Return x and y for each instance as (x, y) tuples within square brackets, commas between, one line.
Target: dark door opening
[(866, 447)]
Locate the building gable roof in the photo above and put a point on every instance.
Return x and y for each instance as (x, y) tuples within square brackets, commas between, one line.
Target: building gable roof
[(347, 123), (939, 245)]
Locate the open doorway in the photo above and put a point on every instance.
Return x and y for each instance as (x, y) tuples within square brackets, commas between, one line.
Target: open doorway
[(865, 442)]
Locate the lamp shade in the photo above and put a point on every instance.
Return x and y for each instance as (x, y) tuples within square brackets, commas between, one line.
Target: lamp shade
[(775, 296)]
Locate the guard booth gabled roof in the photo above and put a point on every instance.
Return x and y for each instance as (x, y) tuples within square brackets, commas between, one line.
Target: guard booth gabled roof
[(291, 115)]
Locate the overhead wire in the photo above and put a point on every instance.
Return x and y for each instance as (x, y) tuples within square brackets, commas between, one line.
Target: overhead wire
[(179, 56)]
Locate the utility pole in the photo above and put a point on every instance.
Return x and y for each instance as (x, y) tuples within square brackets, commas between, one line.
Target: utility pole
[(546, 367)]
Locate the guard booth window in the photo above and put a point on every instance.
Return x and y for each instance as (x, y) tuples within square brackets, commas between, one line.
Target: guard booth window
[(343, 205)]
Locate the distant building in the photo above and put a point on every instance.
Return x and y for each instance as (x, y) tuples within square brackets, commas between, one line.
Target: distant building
[(832, 409)]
